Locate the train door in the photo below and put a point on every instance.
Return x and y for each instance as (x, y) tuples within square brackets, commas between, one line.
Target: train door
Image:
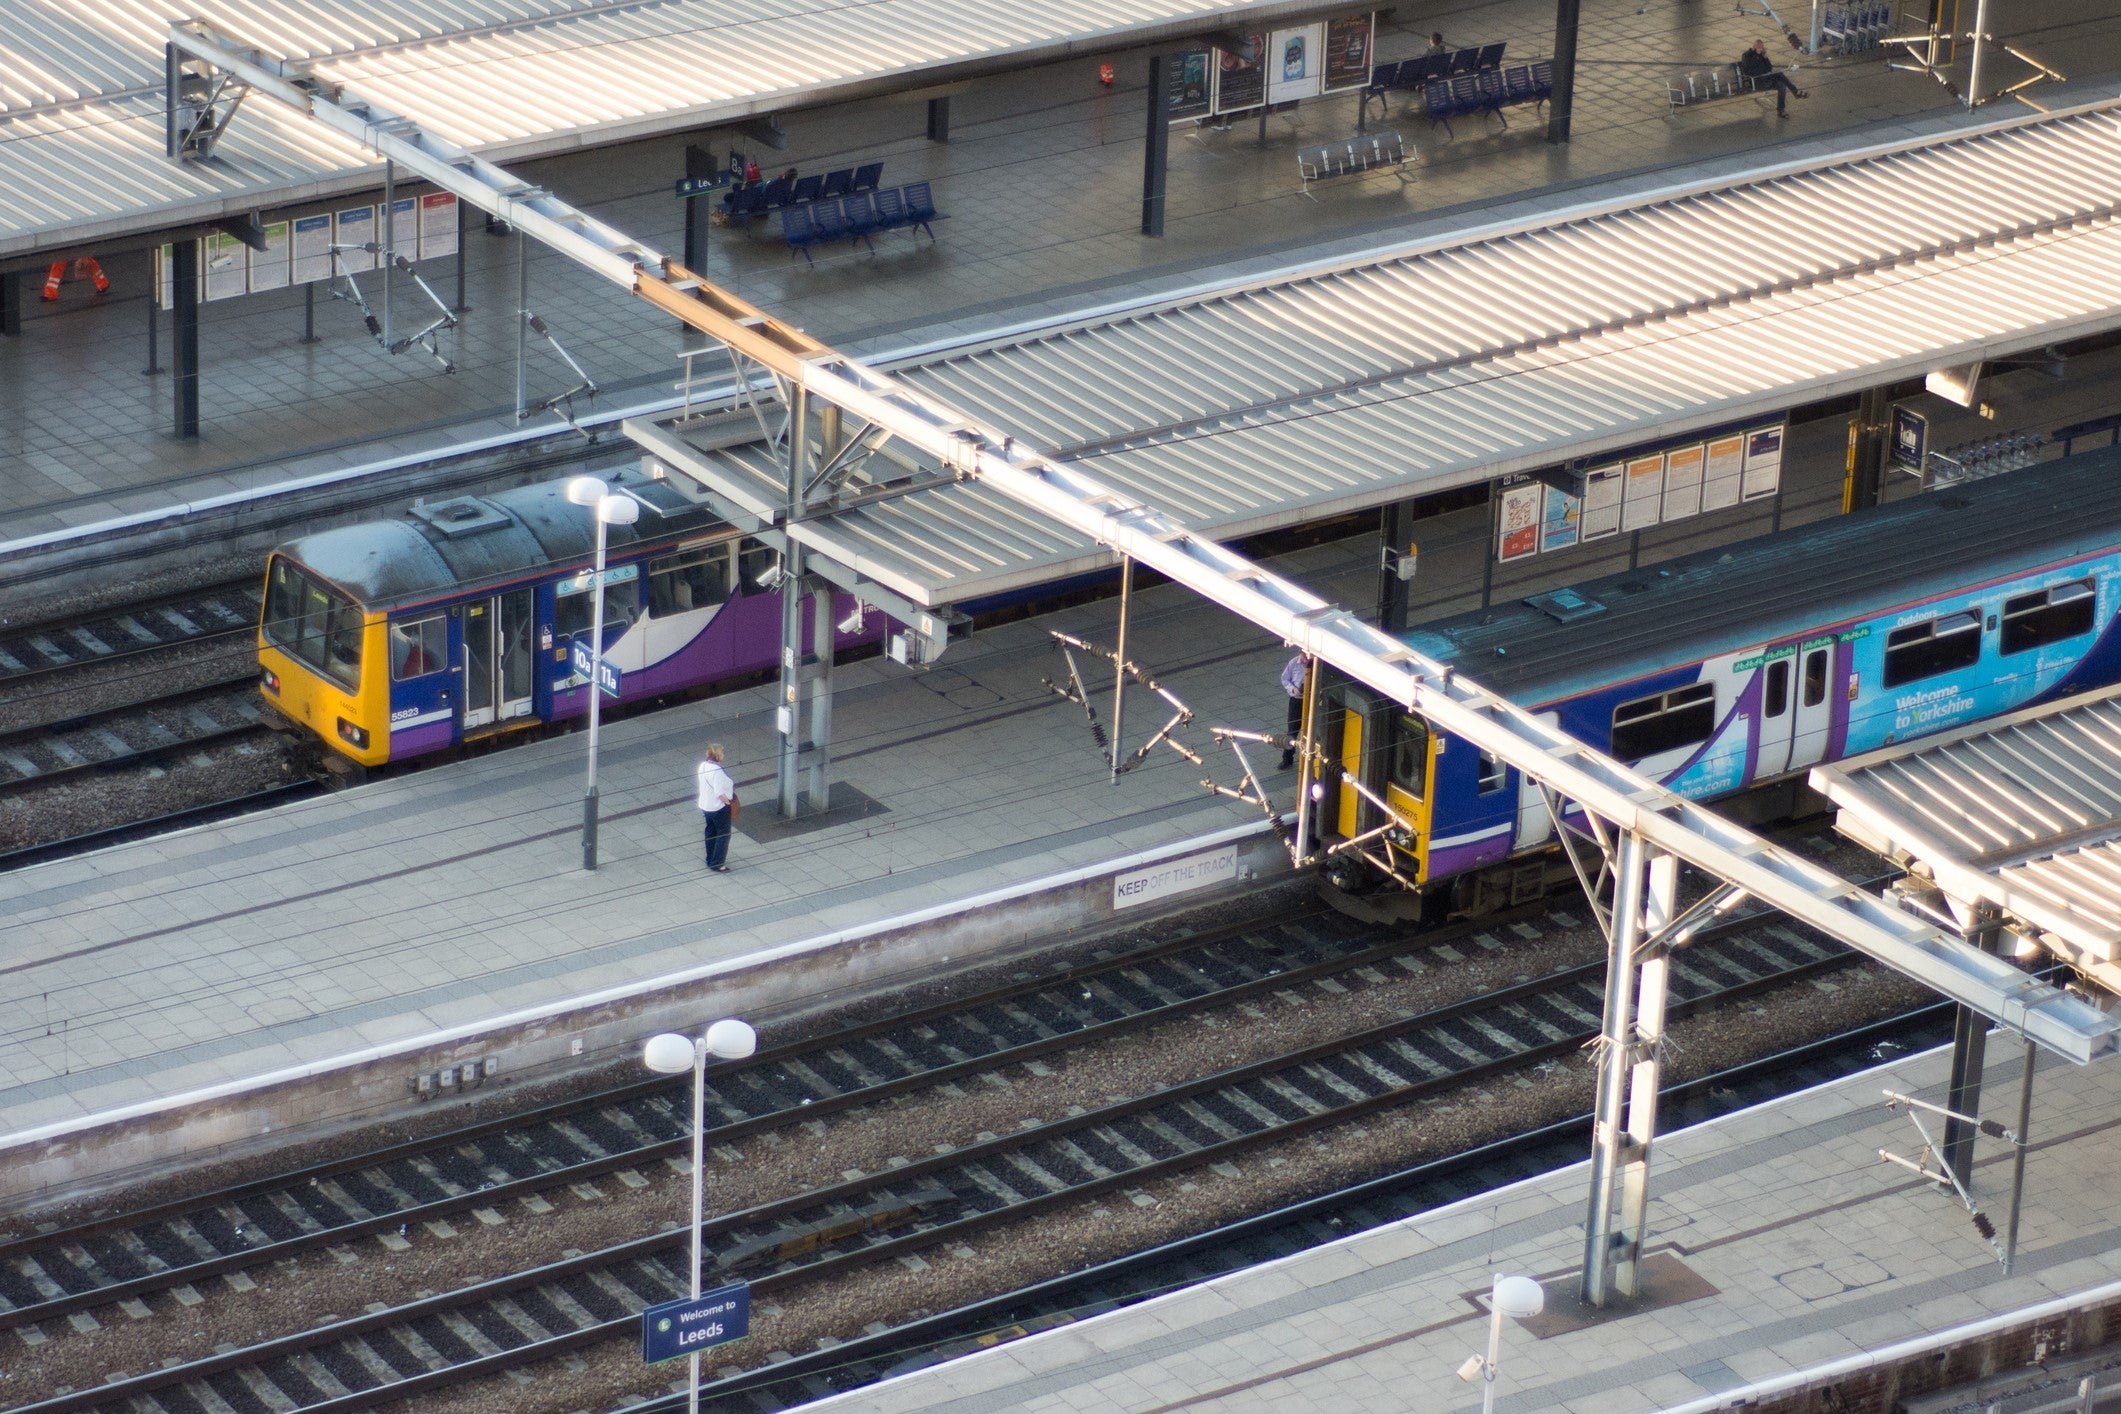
[(497, 658), (1814, 713), (1777, 721), (1535, 823)]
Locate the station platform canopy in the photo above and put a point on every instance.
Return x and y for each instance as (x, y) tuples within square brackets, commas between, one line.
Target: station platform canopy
[(1329, 388), (2022, 814), (81, 86)]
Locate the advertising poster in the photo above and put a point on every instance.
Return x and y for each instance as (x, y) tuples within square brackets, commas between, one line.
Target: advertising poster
[(1349, 43), (268, 267), (1240, 82), (1720, 471), (227, 265), (312, 249), (1682, 482), (1558, 524), (1295, 67), (1190, 92), (1644, 498), (438, 225), (401, 234), (1600, 514), (1763, 462), (355, 227), (1517, 523)]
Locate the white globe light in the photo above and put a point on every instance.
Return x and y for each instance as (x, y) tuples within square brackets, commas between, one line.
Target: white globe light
[(668, 1054), (731, 1040), (618, 510), (586, 490), (1519, 1297)]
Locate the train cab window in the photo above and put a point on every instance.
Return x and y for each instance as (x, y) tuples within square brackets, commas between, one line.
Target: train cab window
[(1685, 716), (1938, 645), (2036, 620), (309, 620), (690, 579), (419, 648), (1408, 768), (1494, 773), (1775, 694)]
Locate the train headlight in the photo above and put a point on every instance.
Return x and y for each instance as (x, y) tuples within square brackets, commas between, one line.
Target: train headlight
[(356, 737), (271, 680)]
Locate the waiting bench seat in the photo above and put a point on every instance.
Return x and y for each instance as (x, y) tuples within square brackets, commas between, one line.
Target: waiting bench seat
[(1363, 153), (858, 216)]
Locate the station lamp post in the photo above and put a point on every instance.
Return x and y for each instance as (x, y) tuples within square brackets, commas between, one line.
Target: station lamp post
[(672, 1054), (610, 508), (1519, 1298)]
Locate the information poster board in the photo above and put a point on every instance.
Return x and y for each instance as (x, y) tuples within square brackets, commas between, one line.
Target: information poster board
[(227, 264), (1350, 41), (1559, 522), (1296, 68), (355, 227), (1601, 504), (1910, 440), (1644, 499), (402, 234), (1240, 81), (1720, 472), (1192, 92), (312, 249), (1517, 522), (269, 267), (1682, 482), (1763, 462)]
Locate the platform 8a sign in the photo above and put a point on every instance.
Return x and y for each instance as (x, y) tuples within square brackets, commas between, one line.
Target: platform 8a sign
[(1177, 876), (695, 1323)]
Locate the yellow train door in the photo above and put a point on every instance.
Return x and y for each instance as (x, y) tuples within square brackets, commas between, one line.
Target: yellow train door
[(1393, 753)]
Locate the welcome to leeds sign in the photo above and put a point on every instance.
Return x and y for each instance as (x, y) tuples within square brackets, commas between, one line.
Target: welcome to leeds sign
[(694, 1323)]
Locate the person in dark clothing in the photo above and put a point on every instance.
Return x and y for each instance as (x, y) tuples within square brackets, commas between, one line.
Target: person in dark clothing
[(1755, 66)]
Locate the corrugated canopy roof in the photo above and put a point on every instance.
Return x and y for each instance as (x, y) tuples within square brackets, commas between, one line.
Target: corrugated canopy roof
[(2023, 813), (1329, 389), (81, 125)]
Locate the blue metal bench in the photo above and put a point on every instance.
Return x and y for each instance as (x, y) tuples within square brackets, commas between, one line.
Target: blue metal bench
[(862, 217), (799, 229), (807, 189), (832, 225), (868, 176), (891, 210), (920, 207), (838, 183)]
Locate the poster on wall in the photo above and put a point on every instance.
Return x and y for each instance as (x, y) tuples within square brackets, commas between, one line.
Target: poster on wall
[(1600, 516), (1763, 462), (312, 249), (226, 262), (1682, 482), (1560, 521), (1517, 522), (1349, 42), (438, 225), (351, 229), (1240, 82), (268, 267), (1191, 96), (1721, 466), (1644, 497), (401, 233), (1295, 66)]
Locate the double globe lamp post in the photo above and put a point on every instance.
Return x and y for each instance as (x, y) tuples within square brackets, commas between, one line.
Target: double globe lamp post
[(672, 1054), (611, 508)]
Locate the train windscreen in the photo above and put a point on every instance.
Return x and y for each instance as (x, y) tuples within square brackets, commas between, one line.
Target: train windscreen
[(312, 622)]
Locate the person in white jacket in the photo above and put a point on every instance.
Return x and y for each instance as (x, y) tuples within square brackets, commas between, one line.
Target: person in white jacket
[(717, 805)]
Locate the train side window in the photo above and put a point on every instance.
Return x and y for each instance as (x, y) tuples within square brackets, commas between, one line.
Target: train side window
[(1815, 677), (1494, 773), (1938, 645), (570, 614), (691, 579), (2036, 620), (1685, 716), (1409, 767), (1776, 693), (419, 648)]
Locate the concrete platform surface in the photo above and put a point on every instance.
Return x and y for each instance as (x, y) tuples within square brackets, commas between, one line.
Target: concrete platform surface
[(1811, 1250)]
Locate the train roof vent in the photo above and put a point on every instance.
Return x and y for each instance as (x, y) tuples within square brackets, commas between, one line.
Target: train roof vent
[(1566, 605), (461, 515)]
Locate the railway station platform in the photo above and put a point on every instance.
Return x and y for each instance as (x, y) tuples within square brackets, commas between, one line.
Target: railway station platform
[(1041, 179), (1791, 1256)]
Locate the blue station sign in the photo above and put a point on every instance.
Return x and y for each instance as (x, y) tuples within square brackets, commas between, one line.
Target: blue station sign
[(586, 663), (695, 1323), (689, 187)]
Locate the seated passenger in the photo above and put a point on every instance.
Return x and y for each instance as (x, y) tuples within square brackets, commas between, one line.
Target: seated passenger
[(1759, 70)]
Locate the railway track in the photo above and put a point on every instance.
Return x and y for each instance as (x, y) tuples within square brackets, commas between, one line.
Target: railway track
[(109, 636), (948, 1196), (132, 735)]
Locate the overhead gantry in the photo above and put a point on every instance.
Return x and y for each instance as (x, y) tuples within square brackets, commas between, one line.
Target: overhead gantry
[(1642, 829)]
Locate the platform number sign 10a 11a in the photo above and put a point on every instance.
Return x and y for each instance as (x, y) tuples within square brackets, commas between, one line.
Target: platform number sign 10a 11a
[(585, 663), (695, 1323)]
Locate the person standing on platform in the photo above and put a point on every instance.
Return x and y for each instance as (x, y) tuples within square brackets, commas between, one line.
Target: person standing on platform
[(1292, 682), (717, 806)]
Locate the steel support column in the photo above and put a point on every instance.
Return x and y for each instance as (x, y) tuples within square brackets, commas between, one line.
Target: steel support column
[(522, 327), (939, 119), (154, 316), (184, 337), (1394, 593), (787, 723), (1615, 1043), (11, 304), (460, 306), (1119, 665), (1969, 1055), (1868, 449), (1561, 103), (1646, 1076), (1156, 152), (388, 255), (817, 675)]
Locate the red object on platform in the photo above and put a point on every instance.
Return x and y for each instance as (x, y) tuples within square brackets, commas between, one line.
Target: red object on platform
[(86, 268), (1104, 74)]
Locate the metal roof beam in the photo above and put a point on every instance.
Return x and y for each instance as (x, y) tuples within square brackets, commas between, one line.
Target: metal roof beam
[(1669, 822)]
